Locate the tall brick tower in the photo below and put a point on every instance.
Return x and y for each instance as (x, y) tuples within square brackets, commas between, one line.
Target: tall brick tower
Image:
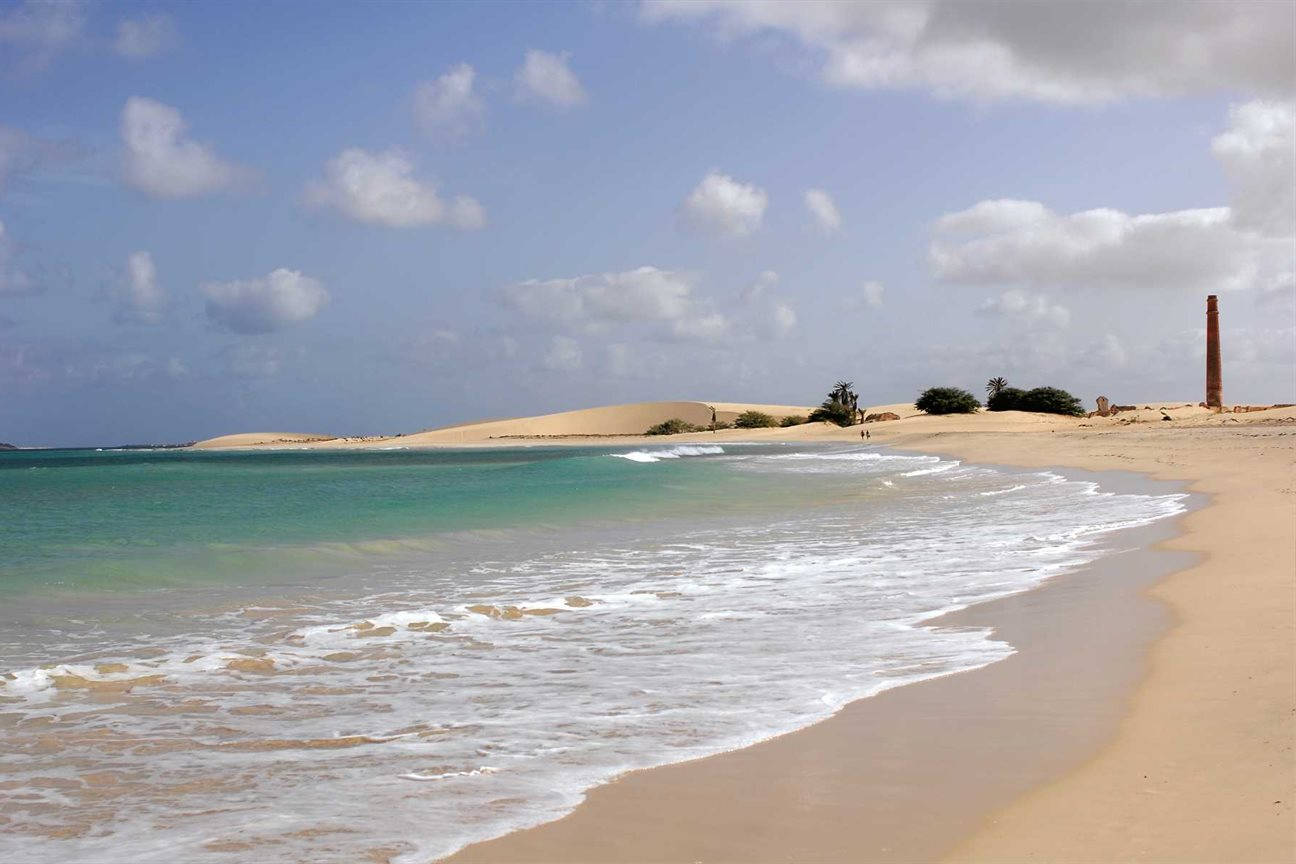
[(1214, 380)]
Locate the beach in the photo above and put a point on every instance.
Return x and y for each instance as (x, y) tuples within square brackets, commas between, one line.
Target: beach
[(1193, 761), (1142, 707)]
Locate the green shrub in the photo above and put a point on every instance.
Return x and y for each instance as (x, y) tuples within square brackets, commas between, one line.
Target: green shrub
[(793, 420), (754, 420), (1007, 399), (1051, 400), (673, 426), (947, 400), (832, 411), (722, 425)]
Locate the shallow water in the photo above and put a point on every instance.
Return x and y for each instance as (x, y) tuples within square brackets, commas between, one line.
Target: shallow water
[(322, 656)]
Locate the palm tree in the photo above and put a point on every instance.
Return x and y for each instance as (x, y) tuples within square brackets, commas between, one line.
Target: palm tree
[(995, 386), (841, 392)]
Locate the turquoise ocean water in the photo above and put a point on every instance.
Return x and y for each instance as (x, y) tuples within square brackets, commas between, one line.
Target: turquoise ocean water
[(306, 655)]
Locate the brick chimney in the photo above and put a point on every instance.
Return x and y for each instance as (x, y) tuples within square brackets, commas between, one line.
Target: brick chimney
[(1214, 380)]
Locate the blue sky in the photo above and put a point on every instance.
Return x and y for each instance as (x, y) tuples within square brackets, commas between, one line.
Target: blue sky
[(595, 203)]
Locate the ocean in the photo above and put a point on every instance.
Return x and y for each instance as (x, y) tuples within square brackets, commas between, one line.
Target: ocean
[(329, 656)]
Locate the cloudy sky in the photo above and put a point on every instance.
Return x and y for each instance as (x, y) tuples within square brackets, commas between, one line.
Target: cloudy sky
[(383, 217)]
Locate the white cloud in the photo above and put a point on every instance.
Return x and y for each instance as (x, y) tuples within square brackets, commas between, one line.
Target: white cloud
[(784, 318), (381, 189), (545, 77), (38, 30), (870, 294), (146, 36), (701, 328), (765, 282), (823, 209), (271, 302), (1258, 152), (1025, 306), (13, 281), (643, 294), (161, 160), (448, 107), (564, 355), (1200, 250), (142, 299), (1050, 52), (722, 205)]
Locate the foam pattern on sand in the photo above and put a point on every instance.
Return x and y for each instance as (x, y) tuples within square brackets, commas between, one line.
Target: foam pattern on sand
[(449, 707)]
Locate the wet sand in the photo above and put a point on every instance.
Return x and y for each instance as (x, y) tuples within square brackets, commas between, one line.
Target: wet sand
[(907, 774), (1156, 724)]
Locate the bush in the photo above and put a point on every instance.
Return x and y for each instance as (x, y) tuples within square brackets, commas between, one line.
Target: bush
[(947, 400), (722, 425), (833, 412), (754, 420), (1042, 400), (793, 420), (673, 426), (1007, 399), (1051, 400)]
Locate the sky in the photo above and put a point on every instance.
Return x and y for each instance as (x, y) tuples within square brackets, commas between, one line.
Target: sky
[(374, 218)]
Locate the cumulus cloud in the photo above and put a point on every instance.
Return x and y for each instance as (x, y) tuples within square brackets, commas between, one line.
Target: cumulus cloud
[(272, 302), (381, 189), (722, 205), (146, 36), (1258, 153), (448, 107), (141, 299), (546, 78), (1062, 53), (765, 282), (1025, 306), (868, 295), (38, 30), (708, 327), (161, 160), (784, 318), (643, 294), (13, 280), (563, 355), (823, 209), (1024, 244)]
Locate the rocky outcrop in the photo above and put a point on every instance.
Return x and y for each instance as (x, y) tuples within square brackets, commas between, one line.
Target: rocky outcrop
[(4, 446), (881, 417)]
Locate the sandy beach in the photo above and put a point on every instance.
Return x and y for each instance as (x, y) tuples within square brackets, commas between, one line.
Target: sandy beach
[(1170, 738)]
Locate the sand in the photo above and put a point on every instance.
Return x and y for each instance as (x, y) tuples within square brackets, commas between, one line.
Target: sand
[(1179, 746)]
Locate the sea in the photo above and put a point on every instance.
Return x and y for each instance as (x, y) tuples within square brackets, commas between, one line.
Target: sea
[(305, 655)]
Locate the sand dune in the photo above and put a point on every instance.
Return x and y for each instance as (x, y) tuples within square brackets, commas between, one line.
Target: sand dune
[(630, 419), (258, 439)]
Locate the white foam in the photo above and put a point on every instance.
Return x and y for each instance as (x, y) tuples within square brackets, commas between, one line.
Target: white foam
[(696, 640), (678, 452)]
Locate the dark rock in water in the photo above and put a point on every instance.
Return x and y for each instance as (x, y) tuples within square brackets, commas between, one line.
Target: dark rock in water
[(4, 446)]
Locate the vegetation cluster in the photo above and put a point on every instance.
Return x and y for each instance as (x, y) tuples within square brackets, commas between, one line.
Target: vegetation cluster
[(674, 426), (1042, 400), (946, 400), (841, 406)]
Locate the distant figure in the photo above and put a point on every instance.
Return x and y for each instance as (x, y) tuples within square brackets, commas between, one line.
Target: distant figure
[(713, 420), (867, 434)]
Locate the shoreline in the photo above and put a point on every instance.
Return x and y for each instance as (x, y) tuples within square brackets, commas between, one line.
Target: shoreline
[(906, 773), (1185, 806)]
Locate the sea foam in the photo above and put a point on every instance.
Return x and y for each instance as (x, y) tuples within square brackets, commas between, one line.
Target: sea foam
[(424, 697)]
